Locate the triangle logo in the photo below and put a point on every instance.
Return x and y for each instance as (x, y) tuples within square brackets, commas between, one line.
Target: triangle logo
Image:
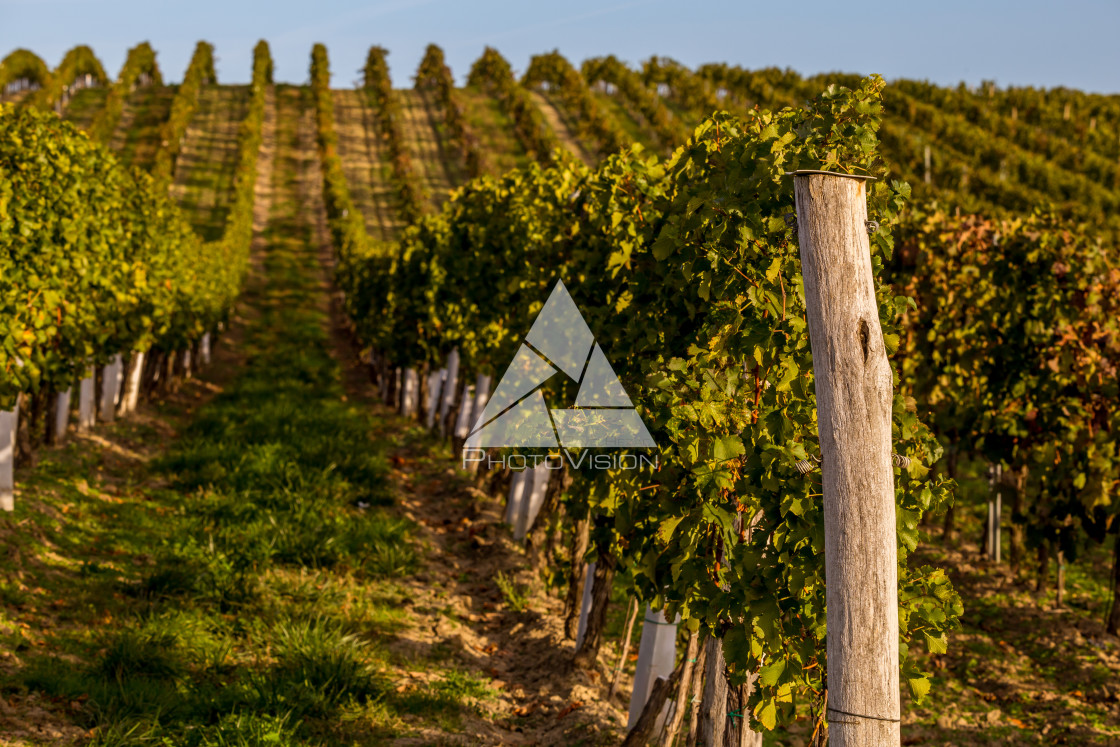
[(559, 341)]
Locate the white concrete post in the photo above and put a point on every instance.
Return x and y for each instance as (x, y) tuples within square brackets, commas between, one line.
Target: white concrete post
[(585, 603), (130, 398), (450, 382), (462, 423), (110, 387), (187, 363), (410, 392), (534, 498), (85, 404), (657, 655), (61, 414), (204, 349), (481, 397), (9, 420), (518, 487), (435, 385)]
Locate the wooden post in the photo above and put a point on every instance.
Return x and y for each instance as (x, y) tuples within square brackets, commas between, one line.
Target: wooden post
[(1061, 590), (451, 380), (9, 421), (657, 655), (998, 517), (398, 390), (854, 397)]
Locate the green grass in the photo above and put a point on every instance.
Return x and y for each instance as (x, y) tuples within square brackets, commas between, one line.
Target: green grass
[(239, 588), (85, 105)]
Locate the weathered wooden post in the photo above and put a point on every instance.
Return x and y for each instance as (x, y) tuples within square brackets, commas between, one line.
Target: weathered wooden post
[(854, 394), (995, 509), (9, 421), (449, 384), (657, 655)]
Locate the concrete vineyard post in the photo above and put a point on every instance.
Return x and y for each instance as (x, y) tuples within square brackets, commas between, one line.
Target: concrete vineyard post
[(85, 404), (481, 397), (532, 499), (585, 604), (450, 382), (110, 387), (9, 421), (854, 398), (410, 392), (186, 358), (518, 487), (657, 655), (130, 399), (435, 384), (61, 416), (463, 421), (204, 350)]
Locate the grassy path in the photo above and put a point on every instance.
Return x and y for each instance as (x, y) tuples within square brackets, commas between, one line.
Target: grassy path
[(494, 131), (367, 171), (216, 571), (84, 106), (429, 161), (136, 139), (205, 169), (559, 125)]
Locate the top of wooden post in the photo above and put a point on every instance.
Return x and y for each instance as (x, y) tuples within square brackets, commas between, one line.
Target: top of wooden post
[(807, 172)]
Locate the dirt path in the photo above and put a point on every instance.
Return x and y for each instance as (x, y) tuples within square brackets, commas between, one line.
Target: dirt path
[(560, 127), (367, 171)]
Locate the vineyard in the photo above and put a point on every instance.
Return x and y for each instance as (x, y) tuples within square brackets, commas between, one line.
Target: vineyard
[(288, 454)]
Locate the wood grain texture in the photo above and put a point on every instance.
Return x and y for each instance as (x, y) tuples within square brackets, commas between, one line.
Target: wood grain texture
[(854, 393)]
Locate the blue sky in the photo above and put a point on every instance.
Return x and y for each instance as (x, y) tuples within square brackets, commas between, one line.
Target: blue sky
[(1071, 43)]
